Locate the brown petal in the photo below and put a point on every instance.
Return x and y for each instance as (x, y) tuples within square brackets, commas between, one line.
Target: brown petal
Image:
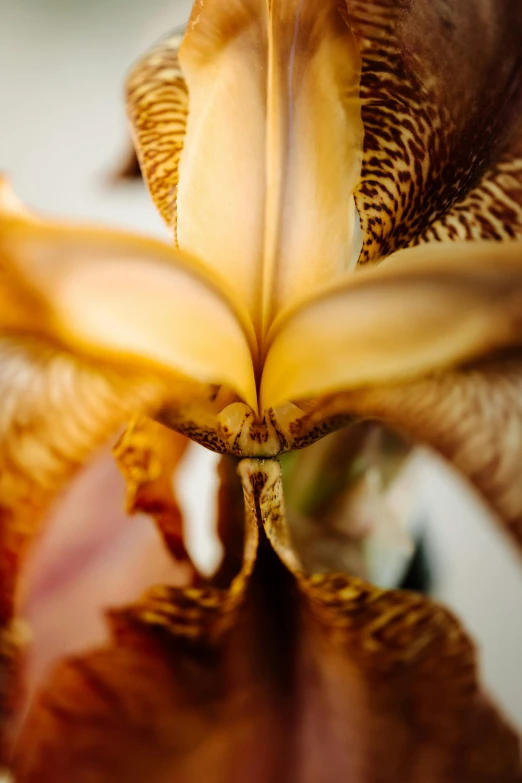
[(55, 412), (281, 678), (472, 416), (441, 90), (492, 210)]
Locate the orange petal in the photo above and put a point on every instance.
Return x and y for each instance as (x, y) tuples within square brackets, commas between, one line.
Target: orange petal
[(148, 454), (421, 311), (282, 677)]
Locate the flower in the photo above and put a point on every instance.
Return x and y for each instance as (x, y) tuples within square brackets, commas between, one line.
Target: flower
[(289, 142)]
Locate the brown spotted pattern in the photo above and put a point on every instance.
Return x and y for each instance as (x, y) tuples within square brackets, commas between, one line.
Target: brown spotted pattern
[(441, 87), (157, 101), (148, 455), (491, 211), (436, 162), (265, 679)]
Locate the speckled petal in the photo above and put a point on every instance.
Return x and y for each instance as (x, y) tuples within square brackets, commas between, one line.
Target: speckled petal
[(442, 96), (284, 677), (472, 417), (157, 103)]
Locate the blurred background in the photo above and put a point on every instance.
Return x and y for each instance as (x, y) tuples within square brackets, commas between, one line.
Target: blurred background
[(63, 135)]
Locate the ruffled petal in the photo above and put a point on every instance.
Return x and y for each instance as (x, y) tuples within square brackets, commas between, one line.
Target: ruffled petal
[(282, 677), (472, 417), (442, 94)]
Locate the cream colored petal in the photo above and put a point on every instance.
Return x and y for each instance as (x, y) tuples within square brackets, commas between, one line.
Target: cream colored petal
[(121, 299), (273, 146), (221, 190), (423, 310), (441, 91)]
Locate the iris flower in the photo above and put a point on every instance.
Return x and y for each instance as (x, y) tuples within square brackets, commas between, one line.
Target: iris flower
[(289, 145)]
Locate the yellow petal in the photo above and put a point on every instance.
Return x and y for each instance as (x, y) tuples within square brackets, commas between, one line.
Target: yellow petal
[(425, 309), (314, 149), (272, 147), (121, 299)]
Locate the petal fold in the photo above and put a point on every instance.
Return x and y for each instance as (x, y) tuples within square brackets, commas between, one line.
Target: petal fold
[(472, 417), (123, 301), (258, 177), (442, 95), (424, 310), (148, 454)]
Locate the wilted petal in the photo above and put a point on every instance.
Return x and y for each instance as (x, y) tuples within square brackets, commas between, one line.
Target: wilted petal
[(442, 90), (281, 678), (424, 310)]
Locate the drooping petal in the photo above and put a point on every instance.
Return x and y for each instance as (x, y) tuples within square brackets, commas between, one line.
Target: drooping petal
[(472, 417), (282, 677), (272, 145), (54, 412), (122, 300), (442, 94), (426, 309), (92, 325), (88, 555)]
